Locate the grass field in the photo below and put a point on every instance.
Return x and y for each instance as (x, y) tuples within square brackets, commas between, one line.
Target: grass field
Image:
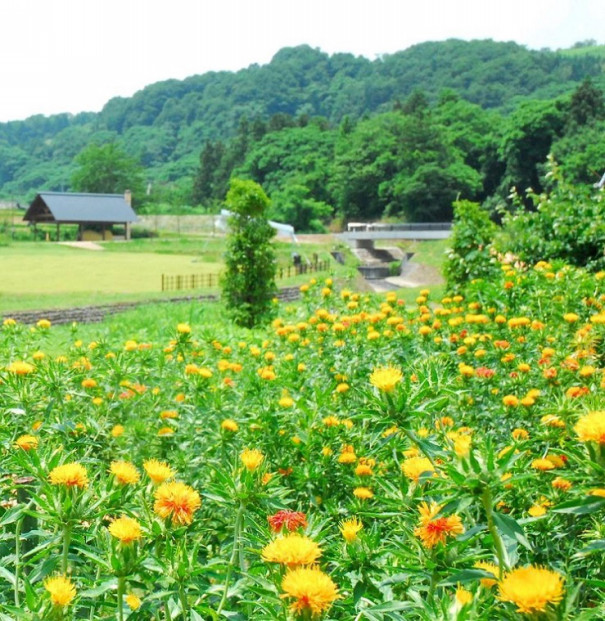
[(41, 275), (47, 275)]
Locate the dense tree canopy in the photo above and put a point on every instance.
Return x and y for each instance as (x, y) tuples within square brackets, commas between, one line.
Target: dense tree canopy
[(400, 136), (107, 169)]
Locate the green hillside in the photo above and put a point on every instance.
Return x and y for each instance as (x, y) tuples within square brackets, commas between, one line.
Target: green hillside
[(166, 125)]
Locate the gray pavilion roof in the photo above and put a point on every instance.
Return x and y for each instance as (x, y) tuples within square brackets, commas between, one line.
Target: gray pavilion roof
[(79, 207)]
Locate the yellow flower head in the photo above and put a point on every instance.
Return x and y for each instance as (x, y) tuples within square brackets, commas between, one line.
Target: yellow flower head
[(176, 501), (183, 328), (126, 529), (124, 472), (414, 466), (543, 464), (158, 471), (312, 590), (364, 470), (251, 458), (291, 550), (531, 589), (561, 484), (463, 596), (489, 568), (70, 475), (134, 602), (61, 590), (350, 528), (229, 425), (591, 427), (27, 442), (20, 368), (386, 378), (117, 431), (363, 493)]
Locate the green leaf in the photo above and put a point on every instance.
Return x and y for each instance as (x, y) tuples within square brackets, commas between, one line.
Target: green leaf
[(7, 575), (466, 575), (12, 515), (593, 546), (509, 527), (108, 585), (581, 506)]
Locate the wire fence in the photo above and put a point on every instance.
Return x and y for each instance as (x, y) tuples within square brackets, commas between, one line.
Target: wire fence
[(180, 282)]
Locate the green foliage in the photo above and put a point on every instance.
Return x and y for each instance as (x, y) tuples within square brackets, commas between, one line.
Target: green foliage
[(582, 153), (568, 223), (294, 205), (248, 284), (526, 141), (401, 165), (165, 125), (470, 256), (107, 169)]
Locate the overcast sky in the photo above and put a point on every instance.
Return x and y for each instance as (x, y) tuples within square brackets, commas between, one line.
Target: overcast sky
[(74, 55)]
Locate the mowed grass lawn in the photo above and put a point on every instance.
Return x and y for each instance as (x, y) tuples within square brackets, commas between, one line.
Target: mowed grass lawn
[(48, 275)]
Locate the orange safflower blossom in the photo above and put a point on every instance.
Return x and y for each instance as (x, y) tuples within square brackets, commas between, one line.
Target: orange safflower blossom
[(432, 530), (288, 520), (176, 501), (313, 591)]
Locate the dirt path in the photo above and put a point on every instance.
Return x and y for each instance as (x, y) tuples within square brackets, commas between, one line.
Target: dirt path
[(85, 245)]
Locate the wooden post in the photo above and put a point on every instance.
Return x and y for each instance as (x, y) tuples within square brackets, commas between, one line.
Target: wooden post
[(127, 231)]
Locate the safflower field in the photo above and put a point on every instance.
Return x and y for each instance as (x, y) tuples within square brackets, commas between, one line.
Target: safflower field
[(361, 458)]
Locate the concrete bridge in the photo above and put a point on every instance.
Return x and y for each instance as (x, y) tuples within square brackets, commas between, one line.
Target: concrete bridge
[(363, 234)]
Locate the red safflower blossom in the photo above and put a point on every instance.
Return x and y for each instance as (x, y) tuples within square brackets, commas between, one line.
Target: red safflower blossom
[(290, 520), (484, 372)]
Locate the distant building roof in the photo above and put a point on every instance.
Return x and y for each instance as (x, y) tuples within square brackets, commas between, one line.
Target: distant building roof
[(71, 207)]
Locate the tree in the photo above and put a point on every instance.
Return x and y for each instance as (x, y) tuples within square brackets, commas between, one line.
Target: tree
[(248, 284), (106, 168), (586, 104), (469, 256)]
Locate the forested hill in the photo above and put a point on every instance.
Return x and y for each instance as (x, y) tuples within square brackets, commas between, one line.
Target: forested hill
[(166, 124)]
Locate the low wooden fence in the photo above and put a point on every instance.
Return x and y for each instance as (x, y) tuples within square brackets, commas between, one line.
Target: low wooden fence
[(180, 282)]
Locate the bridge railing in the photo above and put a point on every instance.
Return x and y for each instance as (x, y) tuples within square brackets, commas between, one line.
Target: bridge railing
[(404, 226)]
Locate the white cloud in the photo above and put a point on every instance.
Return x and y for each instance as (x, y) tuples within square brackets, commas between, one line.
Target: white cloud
[(74, 55)]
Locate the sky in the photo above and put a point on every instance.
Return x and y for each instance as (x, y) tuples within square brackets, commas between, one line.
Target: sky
[(74, 55)]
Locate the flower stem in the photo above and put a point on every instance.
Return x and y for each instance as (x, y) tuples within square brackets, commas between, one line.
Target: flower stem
[(66, 542), (412, 438), (121, 591), (236, 536), (18, 526), (487, 501)]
